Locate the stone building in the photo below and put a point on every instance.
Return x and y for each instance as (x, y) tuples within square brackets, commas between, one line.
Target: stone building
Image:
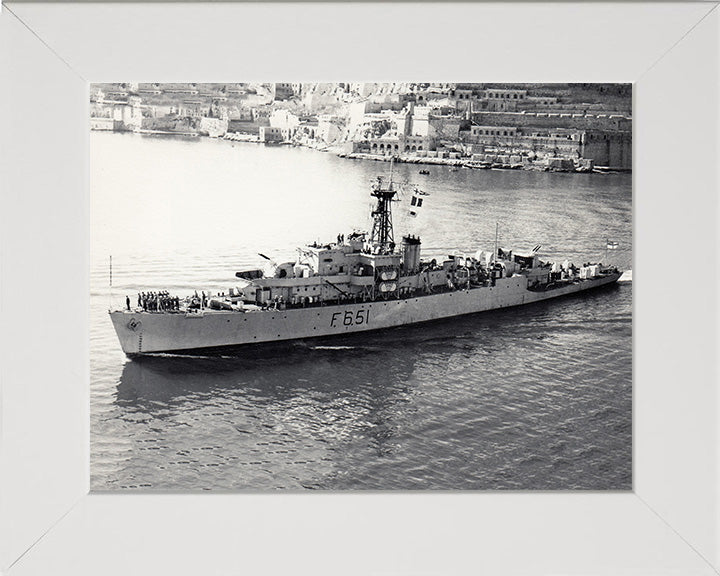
[(126, 116), (394, 144), (611, 149), (283, 90), (329, 128), (284, 119), (270, 134)]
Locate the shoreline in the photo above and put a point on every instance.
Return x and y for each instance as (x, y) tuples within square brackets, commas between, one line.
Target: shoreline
[(466, 163), (424, 160), (402, 159)]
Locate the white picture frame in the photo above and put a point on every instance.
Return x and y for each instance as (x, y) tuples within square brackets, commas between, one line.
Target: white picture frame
[(50, 524)]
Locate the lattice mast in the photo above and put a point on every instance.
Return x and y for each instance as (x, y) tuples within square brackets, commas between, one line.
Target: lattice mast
[(382, 231)]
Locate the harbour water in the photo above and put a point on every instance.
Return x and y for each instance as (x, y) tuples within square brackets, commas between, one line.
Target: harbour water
[(537, 397)]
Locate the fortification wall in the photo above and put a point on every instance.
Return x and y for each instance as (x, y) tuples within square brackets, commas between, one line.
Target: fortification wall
[(552, 120)]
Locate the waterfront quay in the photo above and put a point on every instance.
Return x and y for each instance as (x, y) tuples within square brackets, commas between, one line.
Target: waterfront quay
[(546, 127)]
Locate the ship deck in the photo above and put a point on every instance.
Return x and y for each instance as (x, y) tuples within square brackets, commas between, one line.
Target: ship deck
[(253, 309)]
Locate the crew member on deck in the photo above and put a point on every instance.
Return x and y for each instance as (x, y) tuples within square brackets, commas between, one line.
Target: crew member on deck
[(127, 302)]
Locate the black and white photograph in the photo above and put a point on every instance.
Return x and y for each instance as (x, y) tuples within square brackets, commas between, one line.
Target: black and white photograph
[(360, 286), (352, 288)]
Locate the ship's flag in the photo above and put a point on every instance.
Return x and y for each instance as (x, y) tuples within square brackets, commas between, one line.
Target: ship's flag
[(416, 202), (612, 245)]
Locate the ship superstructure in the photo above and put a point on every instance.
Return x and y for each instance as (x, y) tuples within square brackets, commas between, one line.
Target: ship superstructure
[(359, 268), (359, 283)]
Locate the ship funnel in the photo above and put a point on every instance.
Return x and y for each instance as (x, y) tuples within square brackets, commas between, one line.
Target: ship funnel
[(411, 254)]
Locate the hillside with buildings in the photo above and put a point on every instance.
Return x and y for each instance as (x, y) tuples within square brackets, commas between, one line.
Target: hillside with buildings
[(531, 126)]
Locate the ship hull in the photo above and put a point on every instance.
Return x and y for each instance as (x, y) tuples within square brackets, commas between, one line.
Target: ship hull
[(147, 332)]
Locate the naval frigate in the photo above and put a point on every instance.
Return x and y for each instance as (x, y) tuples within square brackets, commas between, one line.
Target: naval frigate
[(357, 284)]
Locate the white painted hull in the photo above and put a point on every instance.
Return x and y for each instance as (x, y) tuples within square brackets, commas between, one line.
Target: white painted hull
[(148, 332)]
